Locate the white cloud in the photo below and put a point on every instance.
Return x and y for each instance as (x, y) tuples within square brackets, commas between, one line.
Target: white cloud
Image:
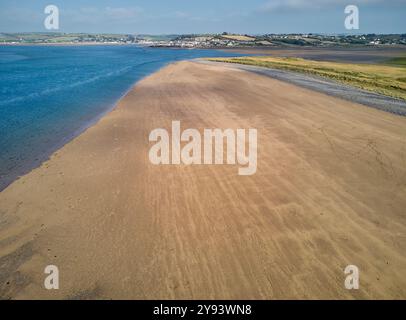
[(123, 13), (181, 15), (93, 15), (274, 5)]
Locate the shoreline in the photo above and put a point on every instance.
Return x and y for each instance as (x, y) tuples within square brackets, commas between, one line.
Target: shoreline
[(47, 154), (68, 44), (327, 86), (119, 227)]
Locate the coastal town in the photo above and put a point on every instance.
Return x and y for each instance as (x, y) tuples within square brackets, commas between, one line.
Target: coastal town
[(208, 40)]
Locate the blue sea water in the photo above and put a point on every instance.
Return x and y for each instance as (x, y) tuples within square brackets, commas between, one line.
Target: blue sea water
[(48, 94)]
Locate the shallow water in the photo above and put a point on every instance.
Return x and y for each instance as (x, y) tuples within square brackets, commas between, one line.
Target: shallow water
[(48, 94)]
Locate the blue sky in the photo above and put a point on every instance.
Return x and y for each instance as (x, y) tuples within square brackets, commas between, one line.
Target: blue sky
[(204, 16)]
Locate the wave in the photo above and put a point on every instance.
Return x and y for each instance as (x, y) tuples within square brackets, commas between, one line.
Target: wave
[(65, 87), (7, 58), (78, 83)]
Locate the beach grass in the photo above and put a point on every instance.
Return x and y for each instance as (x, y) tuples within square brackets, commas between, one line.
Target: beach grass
[(388, 79), (398, 61)]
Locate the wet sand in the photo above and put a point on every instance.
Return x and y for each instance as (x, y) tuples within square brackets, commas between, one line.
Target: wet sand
[(330, 191), (364, 54)]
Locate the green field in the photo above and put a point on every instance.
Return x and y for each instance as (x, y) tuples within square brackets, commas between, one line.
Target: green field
[(387, 79)]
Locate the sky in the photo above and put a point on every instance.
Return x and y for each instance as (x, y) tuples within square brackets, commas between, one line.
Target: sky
[(204, 16)]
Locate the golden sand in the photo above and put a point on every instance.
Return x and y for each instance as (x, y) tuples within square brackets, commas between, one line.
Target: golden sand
[(329, 191)]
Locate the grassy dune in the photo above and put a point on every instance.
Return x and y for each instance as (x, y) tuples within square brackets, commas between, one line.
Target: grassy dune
[(388, 79)]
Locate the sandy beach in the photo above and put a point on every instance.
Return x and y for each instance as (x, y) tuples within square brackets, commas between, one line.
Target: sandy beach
[(329, 191)]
